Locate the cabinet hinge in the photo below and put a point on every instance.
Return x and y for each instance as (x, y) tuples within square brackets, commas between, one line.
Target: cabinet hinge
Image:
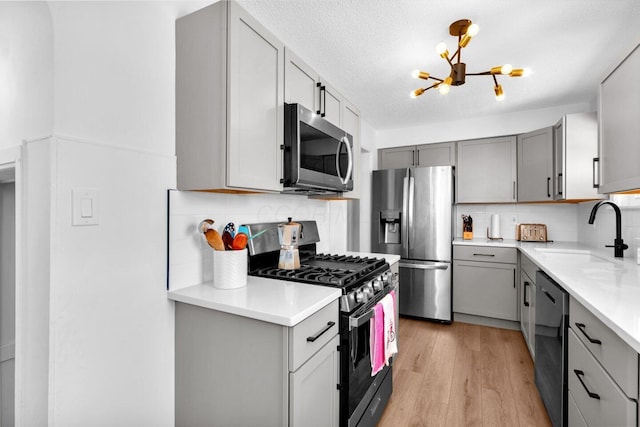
[(281, 180), (282, 146)]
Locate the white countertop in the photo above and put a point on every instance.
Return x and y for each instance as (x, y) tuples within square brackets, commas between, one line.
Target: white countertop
[(609, 287), (275, 301)]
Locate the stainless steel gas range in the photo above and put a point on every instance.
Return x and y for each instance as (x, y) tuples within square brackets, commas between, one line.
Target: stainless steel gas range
[(364, 281)]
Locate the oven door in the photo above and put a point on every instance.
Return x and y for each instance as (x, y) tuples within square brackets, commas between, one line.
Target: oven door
[(362, 397), (321, 154)]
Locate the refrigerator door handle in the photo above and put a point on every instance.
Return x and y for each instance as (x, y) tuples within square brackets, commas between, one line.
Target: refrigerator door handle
[(410, 213), (430, 266), (404, 227)]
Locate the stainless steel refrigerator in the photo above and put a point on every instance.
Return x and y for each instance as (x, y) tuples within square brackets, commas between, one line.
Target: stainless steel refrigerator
[(412, 217)]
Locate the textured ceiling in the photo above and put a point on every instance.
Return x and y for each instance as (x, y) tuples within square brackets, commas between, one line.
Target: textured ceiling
[(366, 49)]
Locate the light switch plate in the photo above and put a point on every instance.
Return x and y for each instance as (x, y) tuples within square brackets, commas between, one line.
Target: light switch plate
[(85, 207)]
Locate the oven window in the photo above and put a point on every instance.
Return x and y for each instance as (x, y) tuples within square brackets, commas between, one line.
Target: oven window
[(318, 152)]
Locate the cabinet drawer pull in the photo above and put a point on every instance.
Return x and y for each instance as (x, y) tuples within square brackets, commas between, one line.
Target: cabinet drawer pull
[(580, 374), (322, 331), (548, 186), (548, 295), (524, 299), (581, 326), (484, 255)]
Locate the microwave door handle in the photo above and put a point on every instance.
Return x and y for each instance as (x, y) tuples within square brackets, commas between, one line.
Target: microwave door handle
[(345, 141), (350, 156)]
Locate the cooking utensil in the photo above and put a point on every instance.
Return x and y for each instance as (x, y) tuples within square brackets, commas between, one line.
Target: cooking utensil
[(214, 239)]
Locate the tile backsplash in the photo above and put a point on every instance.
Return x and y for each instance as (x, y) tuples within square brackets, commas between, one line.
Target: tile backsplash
[(565, 221), (559, 218), (191, 259)]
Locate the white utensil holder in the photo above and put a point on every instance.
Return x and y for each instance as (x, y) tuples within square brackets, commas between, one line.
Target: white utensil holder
[(230, 269)]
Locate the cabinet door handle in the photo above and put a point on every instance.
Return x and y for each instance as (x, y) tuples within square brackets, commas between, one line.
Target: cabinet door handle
[(596, 172), (548, 295), (524, 298), (591, 394), (484, 255), (548, 186), (514, 190), (320, 332), (581, 327), (560, 184), (322, 99)]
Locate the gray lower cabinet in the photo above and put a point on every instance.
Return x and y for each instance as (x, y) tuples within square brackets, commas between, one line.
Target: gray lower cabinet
[(487, 170), (602, 372), (484, 281), (528, 302), (237, 371)]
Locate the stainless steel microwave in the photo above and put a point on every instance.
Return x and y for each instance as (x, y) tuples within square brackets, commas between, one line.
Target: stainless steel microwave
[(318, 156)]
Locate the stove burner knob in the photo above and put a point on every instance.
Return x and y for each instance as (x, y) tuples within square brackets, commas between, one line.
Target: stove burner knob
[(359, 296), (368, 292), (377, 284)]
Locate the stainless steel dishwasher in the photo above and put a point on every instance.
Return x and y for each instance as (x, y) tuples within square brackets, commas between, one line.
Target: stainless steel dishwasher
[(552, 321)]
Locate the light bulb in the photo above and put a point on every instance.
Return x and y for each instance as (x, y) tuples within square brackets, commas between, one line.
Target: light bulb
[(499, 92), (506, 69), (416, 93), (473, 29), (441, 49), (526, 71), (445, 86), (417, 74)]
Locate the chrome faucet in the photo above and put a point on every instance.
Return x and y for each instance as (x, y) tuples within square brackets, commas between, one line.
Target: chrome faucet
[(618, 244)]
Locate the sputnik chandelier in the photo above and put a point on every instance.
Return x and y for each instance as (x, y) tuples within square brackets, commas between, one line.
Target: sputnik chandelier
[(465, 30)]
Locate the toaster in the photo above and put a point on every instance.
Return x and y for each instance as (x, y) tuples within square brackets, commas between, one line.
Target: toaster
[(531, 232)]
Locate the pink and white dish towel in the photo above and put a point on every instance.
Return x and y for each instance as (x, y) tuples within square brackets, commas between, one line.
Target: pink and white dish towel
[(382, 341), (376, 339)]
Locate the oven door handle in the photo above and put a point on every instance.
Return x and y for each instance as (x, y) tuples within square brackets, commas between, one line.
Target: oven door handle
[(356, 322)]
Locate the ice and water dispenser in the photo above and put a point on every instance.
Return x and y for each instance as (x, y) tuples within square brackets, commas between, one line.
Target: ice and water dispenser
[(390, 225)]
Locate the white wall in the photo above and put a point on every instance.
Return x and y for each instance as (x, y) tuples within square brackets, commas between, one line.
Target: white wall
[(26, 72)]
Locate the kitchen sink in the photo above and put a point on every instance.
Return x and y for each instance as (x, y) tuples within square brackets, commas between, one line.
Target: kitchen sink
[(574, 255)]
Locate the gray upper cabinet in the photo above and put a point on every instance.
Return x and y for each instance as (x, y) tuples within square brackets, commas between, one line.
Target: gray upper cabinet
[(486, 170), (619, 144), (440, 154), (229, 117), (300, 82), (304, 86), (535, 165), (397, 157), (331, 103), (575, 144)]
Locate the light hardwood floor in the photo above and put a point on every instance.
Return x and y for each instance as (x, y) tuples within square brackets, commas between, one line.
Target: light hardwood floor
[(462, 375)]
